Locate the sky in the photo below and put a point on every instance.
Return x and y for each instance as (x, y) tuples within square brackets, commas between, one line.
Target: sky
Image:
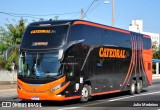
[(125, 11)]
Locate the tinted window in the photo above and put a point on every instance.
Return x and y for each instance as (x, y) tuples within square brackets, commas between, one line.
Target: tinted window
[(122, 40), (97, 36), (90, 34), (107, 37), (146, 43), (44, 37)]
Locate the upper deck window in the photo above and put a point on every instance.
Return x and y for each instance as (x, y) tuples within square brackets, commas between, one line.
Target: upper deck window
[(44, 37)]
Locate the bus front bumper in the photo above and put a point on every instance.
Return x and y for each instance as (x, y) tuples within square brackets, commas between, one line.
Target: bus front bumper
[(43, 96)]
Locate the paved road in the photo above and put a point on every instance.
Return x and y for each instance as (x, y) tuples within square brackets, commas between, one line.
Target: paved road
[(149, 99)]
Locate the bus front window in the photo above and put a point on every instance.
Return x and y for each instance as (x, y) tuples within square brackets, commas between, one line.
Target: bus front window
[(39, 65)]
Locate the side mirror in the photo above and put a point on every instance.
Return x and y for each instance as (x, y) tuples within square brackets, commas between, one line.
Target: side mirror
[(6, 53)]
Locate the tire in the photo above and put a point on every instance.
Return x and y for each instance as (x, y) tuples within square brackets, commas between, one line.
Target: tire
[(133, 87), (85, 93), (139, 86)]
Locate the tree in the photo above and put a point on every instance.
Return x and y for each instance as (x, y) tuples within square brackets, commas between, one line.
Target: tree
[(154, 46), (11, 35)]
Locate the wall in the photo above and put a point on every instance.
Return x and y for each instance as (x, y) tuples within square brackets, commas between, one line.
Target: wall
[(7, 76)]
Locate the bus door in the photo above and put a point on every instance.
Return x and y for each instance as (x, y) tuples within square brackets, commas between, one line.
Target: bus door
[(103, 69)]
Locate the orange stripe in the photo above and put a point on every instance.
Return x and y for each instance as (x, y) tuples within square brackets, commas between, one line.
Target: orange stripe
[(101, 93), (147, 36), (100, 26), (73, 97)]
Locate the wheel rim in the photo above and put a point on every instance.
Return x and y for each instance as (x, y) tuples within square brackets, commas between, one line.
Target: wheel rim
[(84, 92), (133, 87), (139, 85)]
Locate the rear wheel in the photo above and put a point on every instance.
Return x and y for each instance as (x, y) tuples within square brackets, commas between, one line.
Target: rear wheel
[(139, 86), (133, 87), (85, 93)]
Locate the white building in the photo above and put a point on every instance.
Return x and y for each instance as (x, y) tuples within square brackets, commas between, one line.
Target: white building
[(137, 26)]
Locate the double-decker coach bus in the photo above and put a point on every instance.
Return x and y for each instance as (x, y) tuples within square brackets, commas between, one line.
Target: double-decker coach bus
[(70, 59)]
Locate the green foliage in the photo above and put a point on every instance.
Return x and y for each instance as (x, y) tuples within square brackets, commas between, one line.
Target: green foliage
[(154, 46), (11, 35), (156, 55), (2, 62)]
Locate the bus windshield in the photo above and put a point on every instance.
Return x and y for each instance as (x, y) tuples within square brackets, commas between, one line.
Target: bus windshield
[(44, 37), (39, 65)]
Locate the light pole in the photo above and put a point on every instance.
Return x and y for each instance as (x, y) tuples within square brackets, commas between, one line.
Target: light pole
[(112, 12), (106, 2)]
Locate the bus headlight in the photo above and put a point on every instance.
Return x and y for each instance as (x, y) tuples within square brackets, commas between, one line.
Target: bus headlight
[(60, 54), (55, 88)]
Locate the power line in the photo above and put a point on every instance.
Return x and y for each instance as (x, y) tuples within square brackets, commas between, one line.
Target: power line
[(96, 6), (34, 15), (88, 8)]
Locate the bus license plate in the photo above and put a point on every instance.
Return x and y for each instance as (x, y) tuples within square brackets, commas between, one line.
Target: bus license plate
[(34, 98)]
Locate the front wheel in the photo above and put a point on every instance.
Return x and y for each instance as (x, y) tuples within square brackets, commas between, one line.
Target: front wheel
[(85, 93)]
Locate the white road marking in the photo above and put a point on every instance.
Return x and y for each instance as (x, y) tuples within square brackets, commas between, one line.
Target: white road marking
[(69, 108), (134, 96), (104, 101)]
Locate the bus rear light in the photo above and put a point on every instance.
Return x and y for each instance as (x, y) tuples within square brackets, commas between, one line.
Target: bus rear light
[(60, 54)]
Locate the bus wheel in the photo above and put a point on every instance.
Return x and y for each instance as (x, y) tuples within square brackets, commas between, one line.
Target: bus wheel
[(139, 86), (85, 93), (132, 87)]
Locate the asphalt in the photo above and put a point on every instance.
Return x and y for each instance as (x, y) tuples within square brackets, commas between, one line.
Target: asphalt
[(117, 101)]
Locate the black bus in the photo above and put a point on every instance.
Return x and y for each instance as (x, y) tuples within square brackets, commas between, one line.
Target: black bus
[(69, 59)]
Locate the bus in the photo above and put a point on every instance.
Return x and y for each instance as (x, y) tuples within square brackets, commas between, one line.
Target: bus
[(76, 59)]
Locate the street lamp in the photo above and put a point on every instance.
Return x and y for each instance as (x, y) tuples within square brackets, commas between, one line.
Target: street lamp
[(112, 12), (106, 2)]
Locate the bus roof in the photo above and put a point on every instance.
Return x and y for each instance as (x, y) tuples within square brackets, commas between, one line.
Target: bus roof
[(83, 22)]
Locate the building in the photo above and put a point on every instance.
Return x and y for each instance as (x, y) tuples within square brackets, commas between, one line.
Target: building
[(137, 26)]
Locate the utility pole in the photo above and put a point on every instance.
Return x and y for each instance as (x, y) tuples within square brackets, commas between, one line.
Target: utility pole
[(82, 14), (112, 12)]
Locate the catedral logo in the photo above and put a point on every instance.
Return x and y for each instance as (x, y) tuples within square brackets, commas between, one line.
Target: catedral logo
[(112, 53), (40, 31)]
